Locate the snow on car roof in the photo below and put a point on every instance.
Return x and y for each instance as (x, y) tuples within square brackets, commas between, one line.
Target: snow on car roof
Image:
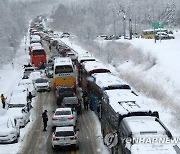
[(152, 149), (94, 65), (67, 128), (104, 80), (18, 99), (144, 125), (124, 101), (64, 109), (14, 112)]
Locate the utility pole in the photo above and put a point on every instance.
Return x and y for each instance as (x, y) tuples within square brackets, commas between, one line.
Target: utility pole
[(130, 29), (124, 25)]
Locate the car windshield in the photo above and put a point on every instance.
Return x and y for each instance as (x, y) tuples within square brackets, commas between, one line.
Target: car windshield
[(70, 101), (16, 105), (41, 81), (29, 70), (63, 113), (64, 133)]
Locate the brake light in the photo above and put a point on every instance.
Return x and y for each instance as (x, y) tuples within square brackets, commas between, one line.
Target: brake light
[(74, 94), (54, 118), (71, 118), (73, 138), (55, 139)]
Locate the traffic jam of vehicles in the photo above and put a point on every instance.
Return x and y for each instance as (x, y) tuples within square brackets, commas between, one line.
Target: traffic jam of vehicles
[(81, 82)]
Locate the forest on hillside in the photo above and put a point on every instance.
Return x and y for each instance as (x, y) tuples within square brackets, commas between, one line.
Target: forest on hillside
[(14, 23), (89, 18)]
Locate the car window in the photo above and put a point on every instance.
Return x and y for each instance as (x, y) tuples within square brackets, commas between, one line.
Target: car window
[(64, 133), (63, 113)]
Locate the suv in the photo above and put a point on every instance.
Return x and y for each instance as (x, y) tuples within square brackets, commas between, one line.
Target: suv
[(64, 91), (64, 117), (27, 72), (42, 84), (73, 103), (161, 35), (65, 136)]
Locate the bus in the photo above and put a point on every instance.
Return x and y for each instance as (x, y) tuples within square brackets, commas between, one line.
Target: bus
[(116, 107), (150, 33), (64, 72), (80, 59), (88, 68), (38, 56), (98, 83)]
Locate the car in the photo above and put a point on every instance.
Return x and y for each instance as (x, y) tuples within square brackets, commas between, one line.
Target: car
[(101, 37), (113, 37), (49, 70), (73, 103), (35, 75), (161, 35), (27, 71), (72, 55), (42, 84), (9, 132), (65, 136), (64, 91), (18, 100), (64, 117), (26, 84), (65, 35), (20, 114), (171, 35)]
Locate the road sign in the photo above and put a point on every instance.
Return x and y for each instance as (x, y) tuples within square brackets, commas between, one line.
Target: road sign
[(157, 25), (111, 140)]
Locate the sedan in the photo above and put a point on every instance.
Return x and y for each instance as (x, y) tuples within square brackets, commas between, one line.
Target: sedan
[(9, 132), (73, 103), (65, 136), (64, 117), (20, 114)]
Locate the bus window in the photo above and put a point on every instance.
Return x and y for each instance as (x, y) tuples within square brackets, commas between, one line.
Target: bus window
[(63, 69)]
